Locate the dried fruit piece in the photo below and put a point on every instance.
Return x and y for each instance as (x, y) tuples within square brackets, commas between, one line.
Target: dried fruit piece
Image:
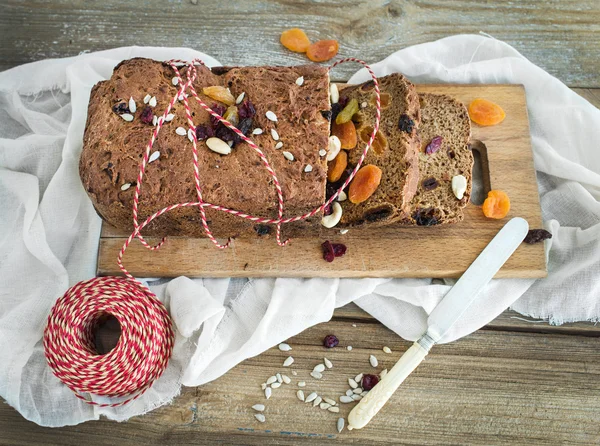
[(336, 168), (204, 132), (536, 236), (246, 109), (364, 184), (330, 251), (406, 124), (369, 381), (146, 115), (380, 143), (484, 112), (429, 183), (346, 133), (425, 217), (496, 205), (346, 114), (231, 115), (434, 145), (121, 108), (220, 94), (330, 341), (384, 100), (295, 40), (322, 50), (219, 110)]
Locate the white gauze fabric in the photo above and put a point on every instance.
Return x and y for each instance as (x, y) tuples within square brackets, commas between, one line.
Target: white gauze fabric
[(50, 231)]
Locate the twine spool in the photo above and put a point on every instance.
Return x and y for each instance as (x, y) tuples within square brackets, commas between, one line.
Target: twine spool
[(140, 356)]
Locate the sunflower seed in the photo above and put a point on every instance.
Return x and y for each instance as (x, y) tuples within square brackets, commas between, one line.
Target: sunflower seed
[(340, 425), (286, 379), (352, 383), (364, 393), (329, 401), (127, 117), (334, 409), (343, 197), (373, 361), (322, 152), (147, 98), (387, 350), (343, 231), (180, 131), (182, 96), (279, 378), (288, 156), (358, 377), (324, 405), (126, 186), (154, 120), (268, 392), (354, 325), (169, 117), (175, 80), (260, 417), (258, 407), (279, 145), (132, 106), (383, 373), (301, 384), (271, 116), (152, 101), (300, 395), (257, 131), (345, 399), (358, 390), (191, 135), (317, 401), (319, 368), (271, 380), (349, 392), (311, 397), (275, 385), (328, 363), (240, 98), (263, 386), (288, 361), (316, 375), (154, 156), (308, 168), (349, 348), (356, 397), (218, 145), (284, 347), (274, 135), (300, 81), (294, 373), (334, 93), (363, 105)]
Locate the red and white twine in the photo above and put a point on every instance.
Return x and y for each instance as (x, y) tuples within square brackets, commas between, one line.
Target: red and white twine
[(147, 336)]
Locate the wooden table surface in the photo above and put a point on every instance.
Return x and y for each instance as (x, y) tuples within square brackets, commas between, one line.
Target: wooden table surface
[(513, 382)]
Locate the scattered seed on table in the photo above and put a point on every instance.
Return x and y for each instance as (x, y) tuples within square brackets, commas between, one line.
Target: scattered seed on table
[(300, 395), (286, 379), (358, 377), (268, 392), (358, 390), (316, 375), (340, 425), (383, 373), (319, 368), (352, 383), (317, 401), (356, 397), (263, 386), (279, 378), (311, 397), (301, 384), (329, 400), (334, 409), (345, 399), (349, 348), (354, 325), (324, 405), (258, 407), (288, 361), (283, 346), (271, 379), (276, 385), (328, 363), (386, 349), (364, 393), (260, 417), (373, 361), (294, 372), (349, 392)]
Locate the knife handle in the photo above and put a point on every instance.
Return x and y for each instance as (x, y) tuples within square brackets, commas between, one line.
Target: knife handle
[(368, 407)]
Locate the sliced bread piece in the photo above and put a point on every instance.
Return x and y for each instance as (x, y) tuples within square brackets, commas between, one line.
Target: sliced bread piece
[(394, 151), (435, 202)]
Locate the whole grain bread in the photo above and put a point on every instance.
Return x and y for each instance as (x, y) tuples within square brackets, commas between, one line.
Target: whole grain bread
[(434, 202), (394, 150), (113, 148)]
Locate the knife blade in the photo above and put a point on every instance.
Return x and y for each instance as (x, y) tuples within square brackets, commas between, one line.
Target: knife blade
[(443, 317)]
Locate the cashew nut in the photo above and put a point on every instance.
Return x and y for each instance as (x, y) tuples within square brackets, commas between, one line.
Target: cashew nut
[(333, 148), (329, 221)]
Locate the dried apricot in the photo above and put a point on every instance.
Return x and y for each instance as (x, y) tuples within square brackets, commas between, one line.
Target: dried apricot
[(346, 114), (346, 133), (484, 112), (295, 40), (322, 50), (336, 168), (220, 94), (364, 184), (380, 143), (496, 205)]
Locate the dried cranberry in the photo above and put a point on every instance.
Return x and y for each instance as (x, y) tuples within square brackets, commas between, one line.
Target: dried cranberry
[(146, 115), (328, 253), (121, 108), (245, 125), (246, 109), (328, 210), (204, 132), (330, 341), (450, 153), (369, 381), (339, 249), (536, 236), (226, 134), (425, 217), (406, 124), (219, 110), (367, 86), (429, 183), (343, 101), (262, 229), (434, 145)]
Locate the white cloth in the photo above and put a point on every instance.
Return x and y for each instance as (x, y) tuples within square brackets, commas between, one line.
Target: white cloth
[(49, 231)]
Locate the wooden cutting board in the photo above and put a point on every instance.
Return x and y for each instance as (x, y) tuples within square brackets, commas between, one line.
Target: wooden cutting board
[(443, 251)]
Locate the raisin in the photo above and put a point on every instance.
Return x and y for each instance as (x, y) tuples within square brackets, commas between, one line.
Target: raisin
[(246, 109), (378, 214), (451, 153), (406, 124), (323, 50), (330, 341), (484, 112), (326, 114), (429, 183), (262, 229), (425, 217), (496, 205), (219, 110), (536, 236), (147, 115), (245, 125), (295, 40), (367, 85), (219, 93), (364, 184), (369, 381), (121, 108), (204, 132), (335, 110), (434, 145), (226, 134)]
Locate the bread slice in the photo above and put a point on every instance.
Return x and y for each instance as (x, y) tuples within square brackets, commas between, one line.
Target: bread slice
[(394, 150), (435, 202)]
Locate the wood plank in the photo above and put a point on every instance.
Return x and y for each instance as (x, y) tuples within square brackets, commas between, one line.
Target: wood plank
[(560, 36), (489, 388), (377, 252)]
